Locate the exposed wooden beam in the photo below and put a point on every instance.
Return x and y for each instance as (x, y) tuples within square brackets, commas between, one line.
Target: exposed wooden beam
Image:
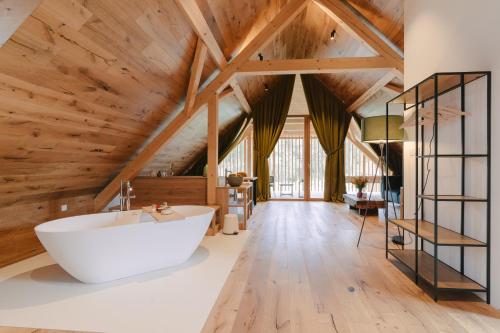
[(394, 87), (194, 80), (217, 85), (353, 22), (212, 148), (12, 15), (200, 26), (371, 91), (308, 66), (195, 17)]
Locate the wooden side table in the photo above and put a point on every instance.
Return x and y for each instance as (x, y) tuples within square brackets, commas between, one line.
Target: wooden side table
[(245, 202)]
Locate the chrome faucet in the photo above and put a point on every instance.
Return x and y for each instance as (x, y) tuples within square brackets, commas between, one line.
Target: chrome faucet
[(125, 186)]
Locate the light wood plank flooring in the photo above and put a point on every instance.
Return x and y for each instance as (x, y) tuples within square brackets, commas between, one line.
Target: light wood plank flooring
[(32, 330), (301, 272)]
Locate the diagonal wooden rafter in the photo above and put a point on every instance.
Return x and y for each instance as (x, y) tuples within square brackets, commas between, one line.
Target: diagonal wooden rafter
[(354, 23), (194, 80), (371, 91), (217, 85), (199, 24), (394, 88), (312, 66)]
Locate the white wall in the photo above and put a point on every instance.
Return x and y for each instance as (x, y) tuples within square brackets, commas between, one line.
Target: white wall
[(458, 35)]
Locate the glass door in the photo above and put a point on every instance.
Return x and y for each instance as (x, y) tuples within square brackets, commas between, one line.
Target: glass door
[(286, 163)]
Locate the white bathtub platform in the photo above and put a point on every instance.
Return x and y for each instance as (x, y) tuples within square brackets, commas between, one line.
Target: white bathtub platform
[(38, 293)]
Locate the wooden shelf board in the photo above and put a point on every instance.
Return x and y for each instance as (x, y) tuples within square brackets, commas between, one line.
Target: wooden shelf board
[(448, 278), (446, 82), (451, 198), (445, 236)]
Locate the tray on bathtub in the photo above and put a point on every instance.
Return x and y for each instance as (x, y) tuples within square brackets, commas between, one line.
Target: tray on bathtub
[(167, 218)]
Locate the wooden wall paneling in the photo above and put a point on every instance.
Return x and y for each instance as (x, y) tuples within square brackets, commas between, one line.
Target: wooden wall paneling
[(212, 148), (177, 190), (17, 238)]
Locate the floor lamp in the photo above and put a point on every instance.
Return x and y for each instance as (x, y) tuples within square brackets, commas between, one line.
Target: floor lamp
[(373, 130)]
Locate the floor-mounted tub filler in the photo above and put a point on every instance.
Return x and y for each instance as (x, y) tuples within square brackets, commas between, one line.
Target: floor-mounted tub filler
[(108, 246)]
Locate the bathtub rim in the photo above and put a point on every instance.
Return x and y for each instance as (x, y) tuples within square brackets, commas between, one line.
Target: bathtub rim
[(40, 227)]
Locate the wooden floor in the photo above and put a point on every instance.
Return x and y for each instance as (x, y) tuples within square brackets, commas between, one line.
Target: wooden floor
[(301, 272)]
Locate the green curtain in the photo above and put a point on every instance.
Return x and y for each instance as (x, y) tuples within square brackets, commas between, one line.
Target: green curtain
[(269, 116), (228, 140), (330, 120)]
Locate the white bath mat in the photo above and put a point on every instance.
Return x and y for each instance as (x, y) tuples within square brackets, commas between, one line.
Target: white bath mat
[(38, 293)]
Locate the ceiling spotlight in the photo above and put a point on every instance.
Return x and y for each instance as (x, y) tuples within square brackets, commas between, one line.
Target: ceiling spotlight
[(332, 34), (266, 88), (261, 57)]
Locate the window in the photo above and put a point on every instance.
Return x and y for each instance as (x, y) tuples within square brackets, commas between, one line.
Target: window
[(358, 164), (238, 159)]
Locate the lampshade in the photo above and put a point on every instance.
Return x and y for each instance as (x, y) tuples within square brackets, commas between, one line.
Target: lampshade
[(373, 129)]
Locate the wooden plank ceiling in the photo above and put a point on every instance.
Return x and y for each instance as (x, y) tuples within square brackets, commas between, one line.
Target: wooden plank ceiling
[(233, 23), (84, 83)]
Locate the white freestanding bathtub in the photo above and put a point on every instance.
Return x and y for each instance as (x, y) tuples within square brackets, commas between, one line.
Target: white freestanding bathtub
[(107, 246)]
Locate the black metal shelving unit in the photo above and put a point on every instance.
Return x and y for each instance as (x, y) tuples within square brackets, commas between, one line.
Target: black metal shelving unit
[(427, 267)]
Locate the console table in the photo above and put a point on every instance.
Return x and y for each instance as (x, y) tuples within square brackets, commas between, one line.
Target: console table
[(362, 204), (243, 198)]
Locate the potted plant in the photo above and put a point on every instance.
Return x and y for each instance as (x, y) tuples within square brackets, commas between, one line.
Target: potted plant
[(360, 183)]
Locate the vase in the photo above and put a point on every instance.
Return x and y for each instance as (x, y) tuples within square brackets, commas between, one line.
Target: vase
[(360, 193)]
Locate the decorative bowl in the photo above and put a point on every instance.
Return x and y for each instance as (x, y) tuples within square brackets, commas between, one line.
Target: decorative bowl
[(234, 181)]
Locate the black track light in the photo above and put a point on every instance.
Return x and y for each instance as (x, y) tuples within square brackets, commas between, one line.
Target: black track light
[(261, 57), (332, 34), (266, 88)]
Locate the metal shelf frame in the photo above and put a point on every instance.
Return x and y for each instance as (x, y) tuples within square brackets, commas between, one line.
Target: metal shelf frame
[(430, 89)]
